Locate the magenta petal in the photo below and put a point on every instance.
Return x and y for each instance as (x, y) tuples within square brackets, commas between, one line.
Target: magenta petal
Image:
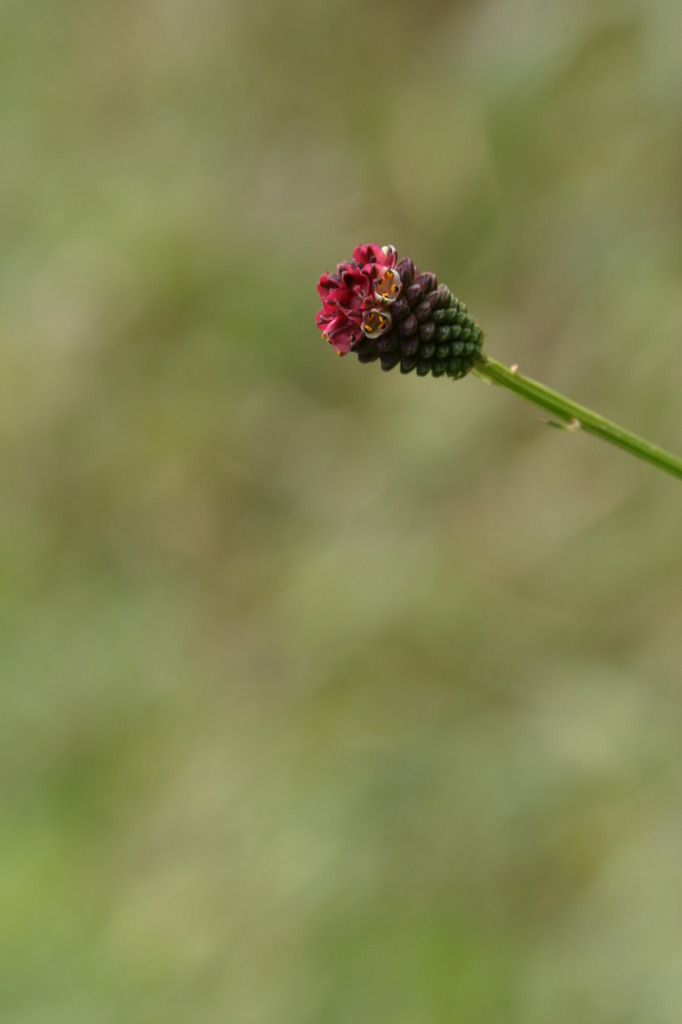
[(327, 283), (342, 342), (372, 256), (340, 325), (346, 298), (356, 279), (368, 254)]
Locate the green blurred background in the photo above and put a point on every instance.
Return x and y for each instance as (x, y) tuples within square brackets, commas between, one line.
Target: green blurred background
[(331, 696)]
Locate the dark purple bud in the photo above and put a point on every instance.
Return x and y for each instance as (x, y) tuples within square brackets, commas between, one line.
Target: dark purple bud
[(408, 327)]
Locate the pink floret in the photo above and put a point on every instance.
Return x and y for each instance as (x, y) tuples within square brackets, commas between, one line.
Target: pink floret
[(348, 293), (374, 256)]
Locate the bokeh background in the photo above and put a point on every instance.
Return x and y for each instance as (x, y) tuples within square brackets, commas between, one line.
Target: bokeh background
[(331, 696)]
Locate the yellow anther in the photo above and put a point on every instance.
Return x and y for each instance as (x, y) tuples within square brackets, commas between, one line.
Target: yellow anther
[(375, 323)]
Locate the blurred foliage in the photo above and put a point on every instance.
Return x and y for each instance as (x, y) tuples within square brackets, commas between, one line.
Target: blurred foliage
[(330, 696)]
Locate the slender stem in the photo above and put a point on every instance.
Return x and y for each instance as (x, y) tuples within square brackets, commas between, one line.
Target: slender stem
[(574, 416)]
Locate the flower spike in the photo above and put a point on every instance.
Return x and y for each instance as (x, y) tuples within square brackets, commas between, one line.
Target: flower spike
[(427, 330), (430, 331)]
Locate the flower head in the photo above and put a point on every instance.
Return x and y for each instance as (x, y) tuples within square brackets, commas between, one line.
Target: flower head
[(385, 310)]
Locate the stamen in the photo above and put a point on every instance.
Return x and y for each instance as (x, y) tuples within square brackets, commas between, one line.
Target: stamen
[(387, 288), (376, 322)]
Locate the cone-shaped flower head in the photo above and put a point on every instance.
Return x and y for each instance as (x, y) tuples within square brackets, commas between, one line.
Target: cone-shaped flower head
[(382, 309)]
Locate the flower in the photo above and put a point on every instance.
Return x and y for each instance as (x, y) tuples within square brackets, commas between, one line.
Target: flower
[(354, 296), (375, 255), (385, 310), (429, 330)]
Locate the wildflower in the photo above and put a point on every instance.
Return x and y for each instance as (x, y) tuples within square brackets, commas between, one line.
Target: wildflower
[(385, 310)]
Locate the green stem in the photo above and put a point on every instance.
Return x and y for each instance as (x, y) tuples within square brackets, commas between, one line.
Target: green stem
[(574, 416)]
